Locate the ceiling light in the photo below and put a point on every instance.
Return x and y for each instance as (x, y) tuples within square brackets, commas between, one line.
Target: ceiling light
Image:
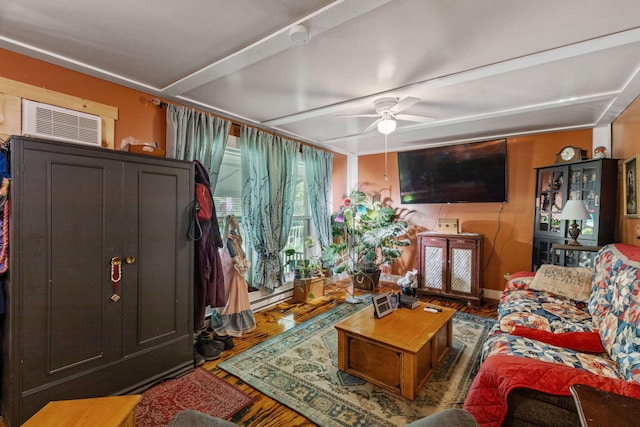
[(386, 125)]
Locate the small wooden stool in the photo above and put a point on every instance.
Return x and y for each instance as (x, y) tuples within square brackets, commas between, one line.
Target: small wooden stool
[(115, 411)]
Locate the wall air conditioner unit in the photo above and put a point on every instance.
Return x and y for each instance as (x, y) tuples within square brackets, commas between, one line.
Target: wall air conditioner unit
[(62, 124)]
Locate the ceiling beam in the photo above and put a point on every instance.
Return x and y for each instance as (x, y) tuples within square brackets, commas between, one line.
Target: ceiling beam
[(324, 19), (541, 58)]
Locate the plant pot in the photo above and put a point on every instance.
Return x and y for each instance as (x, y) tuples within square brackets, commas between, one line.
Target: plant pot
[(367, 281), (307, 289)]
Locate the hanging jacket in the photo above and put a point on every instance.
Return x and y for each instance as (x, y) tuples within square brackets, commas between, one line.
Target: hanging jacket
[(208, 275)]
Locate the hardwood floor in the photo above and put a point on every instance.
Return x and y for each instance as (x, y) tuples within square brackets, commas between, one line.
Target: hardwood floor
[(268, 412)]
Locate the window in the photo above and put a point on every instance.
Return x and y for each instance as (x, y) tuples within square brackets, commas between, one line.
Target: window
[(228, 200)]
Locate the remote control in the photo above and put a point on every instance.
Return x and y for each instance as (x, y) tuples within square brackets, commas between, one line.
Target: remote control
[(431, 310)]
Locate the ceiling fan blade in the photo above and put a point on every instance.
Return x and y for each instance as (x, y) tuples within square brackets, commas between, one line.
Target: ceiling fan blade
[(404, 103), (412, 118), (371, 127), (356, 115)]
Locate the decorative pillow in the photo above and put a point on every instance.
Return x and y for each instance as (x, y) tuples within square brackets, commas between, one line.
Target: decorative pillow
[(585, 342), (570, 282)]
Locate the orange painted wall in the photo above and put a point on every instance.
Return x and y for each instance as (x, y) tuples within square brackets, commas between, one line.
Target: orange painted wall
[(625, 143), (137, 117), (508, 234), (338, 179)]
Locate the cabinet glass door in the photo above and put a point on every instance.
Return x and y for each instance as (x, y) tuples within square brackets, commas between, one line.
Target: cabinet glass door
[(579, 259), (543, 254), (551, 195), (583, 185)]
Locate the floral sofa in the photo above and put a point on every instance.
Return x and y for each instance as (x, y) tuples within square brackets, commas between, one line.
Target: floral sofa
[(558, 327)]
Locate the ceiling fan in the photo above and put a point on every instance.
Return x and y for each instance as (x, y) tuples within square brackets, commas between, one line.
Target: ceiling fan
[(387, 113)]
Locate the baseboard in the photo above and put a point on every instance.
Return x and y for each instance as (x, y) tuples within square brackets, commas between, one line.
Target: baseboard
[(491, 294), (264, 298)]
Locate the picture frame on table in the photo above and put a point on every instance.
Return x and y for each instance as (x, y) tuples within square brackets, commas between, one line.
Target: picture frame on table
[(630, 187), (382, 305)]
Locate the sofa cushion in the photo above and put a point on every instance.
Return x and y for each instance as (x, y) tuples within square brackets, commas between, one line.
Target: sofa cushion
[(501, 343), (571, 282), (542, 310), (586, 342)]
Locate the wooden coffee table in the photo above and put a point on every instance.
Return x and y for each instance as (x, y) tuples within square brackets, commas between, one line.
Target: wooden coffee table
[(397, 352)]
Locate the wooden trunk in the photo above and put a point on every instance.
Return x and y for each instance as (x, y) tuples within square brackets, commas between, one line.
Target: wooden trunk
[(306, 289)]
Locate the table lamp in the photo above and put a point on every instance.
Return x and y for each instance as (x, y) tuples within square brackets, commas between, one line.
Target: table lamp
[(574, 210)]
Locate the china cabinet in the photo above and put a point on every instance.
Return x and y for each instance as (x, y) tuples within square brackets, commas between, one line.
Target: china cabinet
[(592, 181)]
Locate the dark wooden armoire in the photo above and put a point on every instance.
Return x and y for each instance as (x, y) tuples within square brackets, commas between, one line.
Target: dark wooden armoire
[(85, 224)]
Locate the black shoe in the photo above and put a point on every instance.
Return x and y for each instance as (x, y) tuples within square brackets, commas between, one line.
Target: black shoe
[(218, 344), (208, 350), (226, 340), (207, 334), (198, 359)]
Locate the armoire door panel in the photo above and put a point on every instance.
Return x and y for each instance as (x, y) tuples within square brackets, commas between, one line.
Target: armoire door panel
[(65, 277), (155, 227), (77, 286)]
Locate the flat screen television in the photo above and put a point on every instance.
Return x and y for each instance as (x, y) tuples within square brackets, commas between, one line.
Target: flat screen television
[(466, 173)]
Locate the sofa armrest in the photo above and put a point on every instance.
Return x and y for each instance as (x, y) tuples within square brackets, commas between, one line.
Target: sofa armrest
[(501, 374)]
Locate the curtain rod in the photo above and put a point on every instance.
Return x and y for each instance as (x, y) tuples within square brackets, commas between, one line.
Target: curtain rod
[(160, 104)]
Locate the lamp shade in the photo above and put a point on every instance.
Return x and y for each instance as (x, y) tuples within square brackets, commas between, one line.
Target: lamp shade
[(574, 209), (386, 126)]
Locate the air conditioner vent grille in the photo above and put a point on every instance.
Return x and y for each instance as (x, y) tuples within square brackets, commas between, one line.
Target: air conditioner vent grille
[(60, 123)]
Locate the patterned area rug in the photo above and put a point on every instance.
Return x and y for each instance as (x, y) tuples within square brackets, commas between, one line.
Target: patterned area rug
[(199, 389), (299, 369)]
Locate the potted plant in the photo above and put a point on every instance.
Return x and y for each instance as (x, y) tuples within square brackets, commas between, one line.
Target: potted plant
[(366, 235), (308, 280)]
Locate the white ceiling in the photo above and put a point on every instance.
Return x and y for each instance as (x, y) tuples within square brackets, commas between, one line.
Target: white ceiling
[(483, 69)]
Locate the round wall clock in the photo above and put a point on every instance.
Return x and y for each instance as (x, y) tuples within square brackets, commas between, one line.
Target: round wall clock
[(570, 154)]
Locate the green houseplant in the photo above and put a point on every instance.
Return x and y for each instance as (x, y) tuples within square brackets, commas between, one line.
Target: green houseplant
[(307, 268), (366, 234)]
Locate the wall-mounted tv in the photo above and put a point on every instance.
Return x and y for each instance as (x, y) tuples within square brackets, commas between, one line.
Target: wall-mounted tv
[(472, 173)]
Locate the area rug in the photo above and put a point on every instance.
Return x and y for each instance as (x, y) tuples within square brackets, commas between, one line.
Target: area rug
[(298, 368), (199, 389)]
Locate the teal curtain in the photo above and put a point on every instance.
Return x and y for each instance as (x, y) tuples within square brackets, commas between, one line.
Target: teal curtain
[(318, 166), (269, 169), (194, 135)]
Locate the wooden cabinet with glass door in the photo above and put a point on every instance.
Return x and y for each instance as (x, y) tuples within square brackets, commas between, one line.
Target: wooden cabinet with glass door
[(594, 182)]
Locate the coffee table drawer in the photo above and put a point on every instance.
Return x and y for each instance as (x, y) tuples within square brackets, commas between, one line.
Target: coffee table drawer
[(374, 362), (441, 342)]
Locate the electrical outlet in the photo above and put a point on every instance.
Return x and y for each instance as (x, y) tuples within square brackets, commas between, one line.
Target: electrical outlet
[(638, 231)]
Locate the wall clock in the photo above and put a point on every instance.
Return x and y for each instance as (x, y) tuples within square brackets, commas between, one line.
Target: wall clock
[(570, 154)]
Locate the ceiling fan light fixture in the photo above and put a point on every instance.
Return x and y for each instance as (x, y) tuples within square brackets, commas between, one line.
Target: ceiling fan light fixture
[(386, 125)]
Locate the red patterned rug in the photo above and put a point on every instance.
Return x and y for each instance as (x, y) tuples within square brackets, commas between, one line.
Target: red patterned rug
[(200, 390)]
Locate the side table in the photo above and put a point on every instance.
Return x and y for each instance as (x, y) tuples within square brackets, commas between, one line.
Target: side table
[(601, 408), (114, 411)]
